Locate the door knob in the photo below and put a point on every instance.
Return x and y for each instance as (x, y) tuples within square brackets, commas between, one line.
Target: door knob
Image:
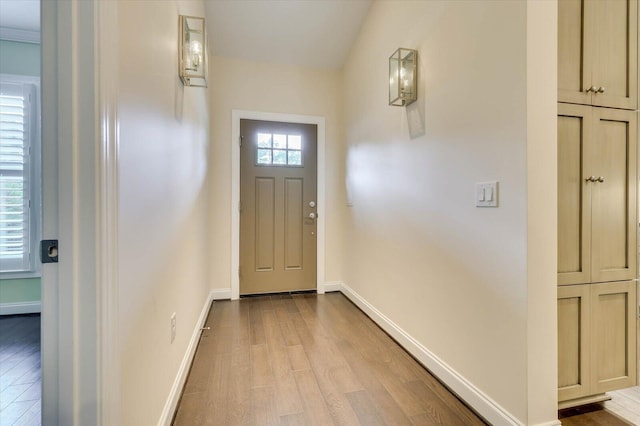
[(312, 216)]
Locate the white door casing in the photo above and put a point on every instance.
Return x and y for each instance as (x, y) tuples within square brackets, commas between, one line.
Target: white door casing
[(238, 115), (79, 157)]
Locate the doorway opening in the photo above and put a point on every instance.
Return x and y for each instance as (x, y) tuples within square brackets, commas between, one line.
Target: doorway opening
[(319, 208), (20, 213)]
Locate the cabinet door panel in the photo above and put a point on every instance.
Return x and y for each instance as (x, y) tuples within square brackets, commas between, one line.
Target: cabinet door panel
[(573, 341), (574, 203), (574, 73), (613, 336), (613, 203), (615, 52)]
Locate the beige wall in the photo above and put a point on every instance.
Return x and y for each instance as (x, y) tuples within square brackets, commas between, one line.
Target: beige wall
[(241, 85), (163, 170), (455, 277)]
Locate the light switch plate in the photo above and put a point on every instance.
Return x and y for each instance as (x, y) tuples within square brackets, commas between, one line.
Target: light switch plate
[(487, 194)]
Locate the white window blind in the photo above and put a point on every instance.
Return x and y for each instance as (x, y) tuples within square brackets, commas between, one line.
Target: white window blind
[(16, 132)]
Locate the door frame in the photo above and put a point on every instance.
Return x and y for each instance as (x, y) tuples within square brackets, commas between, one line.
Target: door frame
[(80, 353), (236, 116)]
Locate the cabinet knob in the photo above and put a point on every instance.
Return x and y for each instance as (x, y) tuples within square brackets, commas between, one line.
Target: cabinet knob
[(600, 179), (600, 90), (591, 179), (593, 89)]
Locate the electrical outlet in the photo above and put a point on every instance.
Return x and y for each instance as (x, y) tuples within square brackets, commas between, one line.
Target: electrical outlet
[(173, 327)]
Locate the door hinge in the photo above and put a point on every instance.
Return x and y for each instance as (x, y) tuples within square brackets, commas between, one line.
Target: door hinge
[(241, 139), (240, 206), (49, 251)]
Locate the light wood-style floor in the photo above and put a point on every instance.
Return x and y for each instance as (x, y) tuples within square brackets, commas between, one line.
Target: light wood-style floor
[(626, 404), (308, 360)]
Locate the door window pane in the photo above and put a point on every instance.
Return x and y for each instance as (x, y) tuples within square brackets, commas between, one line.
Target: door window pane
[(279, 156), (264, 156), (264, 140), (280, 141), (294, 158), (295, 142)]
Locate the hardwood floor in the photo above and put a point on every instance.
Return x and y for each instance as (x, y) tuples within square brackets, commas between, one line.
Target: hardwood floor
[(308, 360), (591, 415), (20, 370)]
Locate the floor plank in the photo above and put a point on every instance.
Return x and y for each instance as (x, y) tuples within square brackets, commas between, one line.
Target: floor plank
[(364, 408), (308, 360), (591, 415)]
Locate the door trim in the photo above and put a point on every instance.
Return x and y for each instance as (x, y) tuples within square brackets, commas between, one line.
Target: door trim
[(80, 357), (236, 116), (107, 215)]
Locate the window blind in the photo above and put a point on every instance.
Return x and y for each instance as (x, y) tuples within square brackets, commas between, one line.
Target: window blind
[(15, 181)]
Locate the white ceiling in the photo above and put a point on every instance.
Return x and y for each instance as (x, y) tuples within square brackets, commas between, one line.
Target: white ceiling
[(311, 33), (20, 20)]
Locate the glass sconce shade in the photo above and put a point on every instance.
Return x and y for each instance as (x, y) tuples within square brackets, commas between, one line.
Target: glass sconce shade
[(403, 73), (192, 51)]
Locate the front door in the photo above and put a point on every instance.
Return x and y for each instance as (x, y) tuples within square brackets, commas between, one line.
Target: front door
[(278, 171)]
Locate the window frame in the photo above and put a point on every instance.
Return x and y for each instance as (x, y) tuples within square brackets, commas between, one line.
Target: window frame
[(34, 175)]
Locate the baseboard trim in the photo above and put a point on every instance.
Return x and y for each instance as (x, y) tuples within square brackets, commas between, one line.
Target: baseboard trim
[(20, 308), (176, 390), (221, 294), (332, 286), (481, 403)]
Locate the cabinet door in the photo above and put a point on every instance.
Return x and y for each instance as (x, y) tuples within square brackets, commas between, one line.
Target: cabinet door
[(597, 52), (574, 69), (613, 200), (573, 341), (614, 47), (574, 196), (613, 336)]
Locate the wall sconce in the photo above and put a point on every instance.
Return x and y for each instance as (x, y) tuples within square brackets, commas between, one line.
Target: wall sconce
[(403, 73), (192, 51)]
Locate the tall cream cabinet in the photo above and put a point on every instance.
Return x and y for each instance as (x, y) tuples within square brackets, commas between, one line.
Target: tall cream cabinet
[(598, 52), (596, 341), (597, 198), (596, 194)]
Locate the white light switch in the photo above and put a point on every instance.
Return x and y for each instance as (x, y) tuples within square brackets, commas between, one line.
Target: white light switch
[(487, 194)]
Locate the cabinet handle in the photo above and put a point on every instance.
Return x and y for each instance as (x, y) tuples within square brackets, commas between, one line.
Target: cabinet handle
[(600, 179), (593, 89), (591, 179), (600, 90)]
